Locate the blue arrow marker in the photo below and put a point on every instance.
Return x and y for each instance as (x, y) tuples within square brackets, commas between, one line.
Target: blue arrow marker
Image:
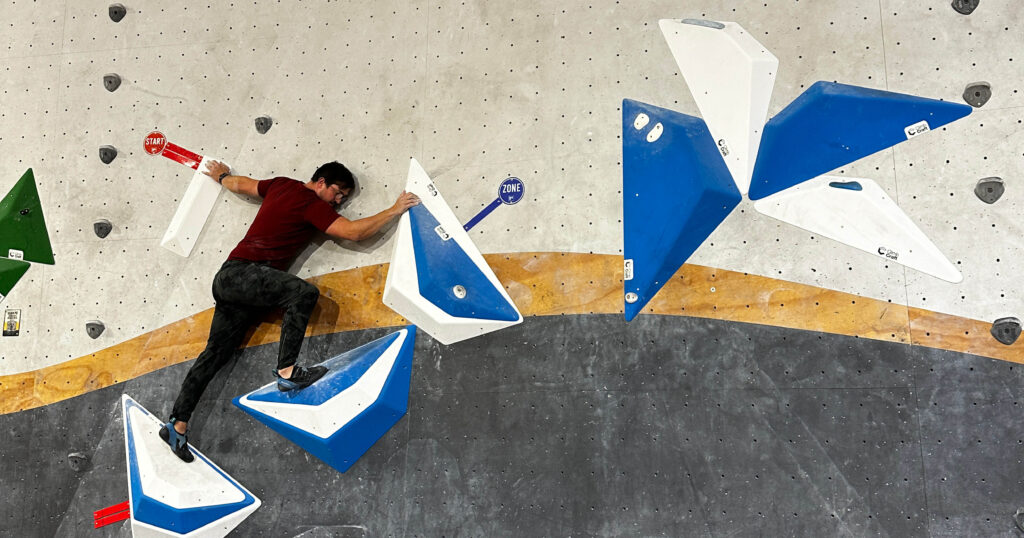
[(509, 192)]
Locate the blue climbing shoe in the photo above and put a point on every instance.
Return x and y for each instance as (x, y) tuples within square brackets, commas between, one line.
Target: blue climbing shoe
[(177, 441), (300, 379)]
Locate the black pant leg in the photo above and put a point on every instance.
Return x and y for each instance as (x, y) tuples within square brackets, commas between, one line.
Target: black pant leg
[(228, 328), (263, 286)]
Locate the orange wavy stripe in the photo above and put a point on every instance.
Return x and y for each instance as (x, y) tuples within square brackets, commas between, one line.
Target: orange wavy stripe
[(541, 284)]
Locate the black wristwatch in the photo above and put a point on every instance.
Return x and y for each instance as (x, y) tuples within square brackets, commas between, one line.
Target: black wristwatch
[(222, 176)]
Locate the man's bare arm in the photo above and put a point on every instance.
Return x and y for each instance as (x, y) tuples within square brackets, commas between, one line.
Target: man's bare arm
[(235, 184), (357, 230)]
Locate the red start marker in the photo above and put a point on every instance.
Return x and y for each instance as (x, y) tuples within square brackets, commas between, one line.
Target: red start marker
[(154, 143)]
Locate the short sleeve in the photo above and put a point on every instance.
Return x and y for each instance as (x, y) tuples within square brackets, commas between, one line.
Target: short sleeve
[(263, 187), (321, 215)]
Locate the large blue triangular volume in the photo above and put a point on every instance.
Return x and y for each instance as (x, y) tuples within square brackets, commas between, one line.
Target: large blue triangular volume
[(676, 190), (364, 393), (169, 497), (442, 266), (831, 125)]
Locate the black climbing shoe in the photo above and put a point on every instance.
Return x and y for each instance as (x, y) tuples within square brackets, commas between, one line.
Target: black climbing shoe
[(177, 441), (301, 378)]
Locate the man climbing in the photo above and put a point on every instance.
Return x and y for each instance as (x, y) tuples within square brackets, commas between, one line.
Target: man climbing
[(254, 279)]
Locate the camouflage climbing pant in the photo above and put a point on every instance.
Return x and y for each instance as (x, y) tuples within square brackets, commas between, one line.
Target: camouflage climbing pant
[(245, 291)]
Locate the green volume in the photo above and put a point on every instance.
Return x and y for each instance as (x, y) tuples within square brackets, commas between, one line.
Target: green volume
[(22, 227)]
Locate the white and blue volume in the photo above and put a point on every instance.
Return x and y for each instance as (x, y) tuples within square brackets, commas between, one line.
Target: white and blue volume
[(169, 497), (337, 419)]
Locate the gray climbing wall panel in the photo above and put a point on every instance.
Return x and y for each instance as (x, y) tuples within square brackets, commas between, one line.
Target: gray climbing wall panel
[(583, 425)]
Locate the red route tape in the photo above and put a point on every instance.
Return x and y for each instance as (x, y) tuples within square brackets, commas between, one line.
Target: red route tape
[(111, 514), (179, 154), (110, 509), (104, 521)]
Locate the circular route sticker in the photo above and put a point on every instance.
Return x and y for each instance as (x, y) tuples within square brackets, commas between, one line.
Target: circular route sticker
[(511, 191), (154, 143)]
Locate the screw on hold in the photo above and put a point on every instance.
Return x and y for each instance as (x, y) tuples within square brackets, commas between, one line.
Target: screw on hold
[(102, 228), (111, 81), (108, 154), (117, 12), (641, 121), (631, 298), (965, 7), (94, 328), (1006, 330), (459, 291), (263, 124), (78, 461), (977, 94), (989, 189), (655, 132), (25, 211)]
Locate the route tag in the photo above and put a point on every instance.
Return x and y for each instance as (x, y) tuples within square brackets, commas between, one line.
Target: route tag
[(12, 322), (15, 254)]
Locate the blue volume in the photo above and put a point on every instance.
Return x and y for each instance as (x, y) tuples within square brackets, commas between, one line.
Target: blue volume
[(831, 125), (441, 265), (676, 191)]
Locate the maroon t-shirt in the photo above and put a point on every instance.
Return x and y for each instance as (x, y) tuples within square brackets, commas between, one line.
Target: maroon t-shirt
[(287, 219)]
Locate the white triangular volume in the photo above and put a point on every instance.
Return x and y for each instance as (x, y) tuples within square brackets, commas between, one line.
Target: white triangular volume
[(858, 213), (731, 77), (193, 211), (168, 497), (401, 289)]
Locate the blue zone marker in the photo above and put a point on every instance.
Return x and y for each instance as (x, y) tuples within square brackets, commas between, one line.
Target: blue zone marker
[(509, 193)]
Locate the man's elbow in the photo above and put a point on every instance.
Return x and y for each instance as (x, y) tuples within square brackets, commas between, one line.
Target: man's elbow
[(346, 235)]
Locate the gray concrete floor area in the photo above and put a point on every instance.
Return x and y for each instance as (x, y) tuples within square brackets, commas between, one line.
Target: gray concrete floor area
[(587, 426)]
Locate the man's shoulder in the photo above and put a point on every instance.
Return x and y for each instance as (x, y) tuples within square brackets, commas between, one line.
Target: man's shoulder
[(280, 184), (284, 181)]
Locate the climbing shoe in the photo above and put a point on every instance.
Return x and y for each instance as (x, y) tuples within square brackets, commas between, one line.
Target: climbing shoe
[(300, 379), (177, 441)]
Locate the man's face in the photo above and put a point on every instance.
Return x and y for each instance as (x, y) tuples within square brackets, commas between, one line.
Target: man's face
[(332, 194)]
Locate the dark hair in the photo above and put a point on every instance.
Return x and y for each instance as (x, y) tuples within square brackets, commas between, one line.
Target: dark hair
[(335, 173)]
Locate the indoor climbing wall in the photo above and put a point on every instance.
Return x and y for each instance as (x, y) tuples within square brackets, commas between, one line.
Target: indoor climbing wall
[(477, 92)]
